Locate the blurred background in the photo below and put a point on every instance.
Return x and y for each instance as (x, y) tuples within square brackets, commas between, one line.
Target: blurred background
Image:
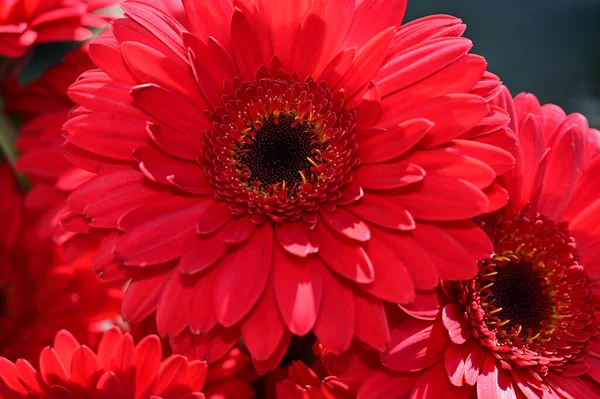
[(548, 47)]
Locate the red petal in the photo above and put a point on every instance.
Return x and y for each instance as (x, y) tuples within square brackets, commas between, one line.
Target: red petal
[(392, 281), (497, 158), (454, 249), (388, 176), (141, 297), (493, 382), (151, 66), (262, 367), (337, 318), (156, 233), (105, 52), (371, 323), (51, 370), (172, 373), (365, 66), (170, 108), (65, 345), (148, 354), (85, 369), (453, 317), (175, 143), (243, 277), (344, 256), (455, 361), (444, 198), (369, 110), (244, 48), (88, 131), (298, 288), (106, 346), (415, 345), (213, 217), (209, 19), (346, 224), (174, 305), (394, 142), (422, 61), (379, 210), (293, 238), (434, 384), (385, 385), (449, 163), (417, 261), (309, 41), (204, 251), (373, 16), (202, 315), (263, 330)]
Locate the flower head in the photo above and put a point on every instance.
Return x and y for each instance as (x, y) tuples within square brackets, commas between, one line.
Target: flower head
[(39, 292), (119, 369), (25, 23), (294, 175), (526, 325)]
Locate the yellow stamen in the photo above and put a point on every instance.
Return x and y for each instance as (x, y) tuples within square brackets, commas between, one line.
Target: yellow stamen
[(302, 176), (490, 274), (519, 330), (505, 322), (498, 310), (485, 287), (536, 336), (312, 162)]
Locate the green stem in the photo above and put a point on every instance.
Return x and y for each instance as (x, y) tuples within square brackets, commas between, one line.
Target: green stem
[(7, 148)]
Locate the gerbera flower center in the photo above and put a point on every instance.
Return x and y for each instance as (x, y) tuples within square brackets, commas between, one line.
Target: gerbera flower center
[(279, 148), (279, 151), (531, 301), (520, 294)]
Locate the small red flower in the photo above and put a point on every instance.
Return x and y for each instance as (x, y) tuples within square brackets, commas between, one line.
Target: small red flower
[(39, 292), (527, 325), (119, 370), (295, 165), (24, 23)]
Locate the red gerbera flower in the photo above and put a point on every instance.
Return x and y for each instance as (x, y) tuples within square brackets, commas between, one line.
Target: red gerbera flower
[(527, 325), (119, 370), (24, 23), (40, 294), (287, 176)]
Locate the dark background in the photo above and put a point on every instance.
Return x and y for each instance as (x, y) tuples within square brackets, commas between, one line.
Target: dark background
[(547, 47)]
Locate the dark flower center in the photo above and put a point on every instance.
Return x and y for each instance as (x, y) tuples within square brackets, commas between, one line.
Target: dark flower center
[(531, 303), (278, 152), (280, 148), (520, 292)]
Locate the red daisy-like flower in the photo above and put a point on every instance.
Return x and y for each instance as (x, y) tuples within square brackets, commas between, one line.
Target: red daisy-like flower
[(119, 370), (527, 326), (40, 294), (295, 164), (24, 23)]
